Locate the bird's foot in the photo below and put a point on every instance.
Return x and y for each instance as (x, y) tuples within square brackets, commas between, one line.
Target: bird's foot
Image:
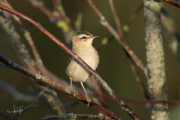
[(71, 88), (88, 100)]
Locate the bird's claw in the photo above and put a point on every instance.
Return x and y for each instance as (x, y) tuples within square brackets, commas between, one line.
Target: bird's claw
[(88, 100)]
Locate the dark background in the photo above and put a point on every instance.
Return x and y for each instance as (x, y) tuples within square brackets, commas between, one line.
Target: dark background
[(113, 68)]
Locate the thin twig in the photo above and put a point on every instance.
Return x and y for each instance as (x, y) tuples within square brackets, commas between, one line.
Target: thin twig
[(133, 68), (94, 88), (57, 86), (29, 106), (143, 102), (104, 42), (173, 2), (55, 4), (133, 16), (74, 116), (105, 23), (15, 93), (116, 18), (77, 58), (59, 17), (3, 115), (78, 22), (70, 104), (171, 32)]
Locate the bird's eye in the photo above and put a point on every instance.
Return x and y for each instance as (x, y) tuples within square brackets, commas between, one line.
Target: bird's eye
[(84, 37)]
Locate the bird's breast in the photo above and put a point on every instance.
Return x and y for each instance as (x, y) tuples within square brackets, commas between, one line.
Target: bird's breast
[(89, 55)]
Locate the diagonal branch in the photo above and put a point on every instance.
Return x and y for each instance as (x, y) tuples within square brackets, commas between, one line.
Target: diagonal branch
[(77, 58), (133, 68), (59, 17), (105, 23), (62, 21), (57, 86), (173, 2)]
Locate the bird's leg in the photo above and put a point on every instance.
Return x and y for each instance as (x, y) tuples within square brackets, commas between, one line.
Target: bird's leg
[(71, 82), (87, 97), (71, 87)]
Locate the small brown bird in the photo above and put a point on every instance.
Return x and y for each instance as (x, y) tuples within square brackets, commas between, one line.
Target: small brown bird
[(82, 46)]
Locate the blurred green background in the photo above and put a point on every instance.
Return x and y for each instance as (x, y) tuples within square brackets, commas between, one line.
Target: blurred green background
[(113, 68)]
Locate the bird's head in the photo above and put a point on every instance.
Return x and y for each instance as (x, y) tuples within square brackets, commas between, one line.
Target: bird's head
[(83, 37)]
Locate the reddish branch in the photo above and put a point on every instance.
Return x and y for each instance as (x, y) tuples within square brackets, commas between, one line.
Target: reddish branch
[(78, 59), (173, 2), (57, 86), (143, 102)]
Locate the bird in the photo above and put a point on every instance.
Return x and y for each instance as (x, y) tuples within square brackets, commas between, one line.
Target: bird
[(82, 46)]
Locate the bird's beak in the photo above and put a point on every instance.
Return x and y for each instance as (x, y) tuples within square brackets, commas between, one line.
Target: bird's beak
[(95, 36)]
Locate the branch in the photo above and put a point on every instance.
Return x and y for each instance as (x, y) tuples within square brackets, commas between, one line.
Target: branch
[(144, 102), (74, 116), (173, 2), (171, 32), (155, 59), (77, 58), (3, 115), (29, 106), (133, 16), (57, 86), (61, 20), (133, 68), (15, 93), (58, 16), (104, 42), (105, 23), (78, 22)]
